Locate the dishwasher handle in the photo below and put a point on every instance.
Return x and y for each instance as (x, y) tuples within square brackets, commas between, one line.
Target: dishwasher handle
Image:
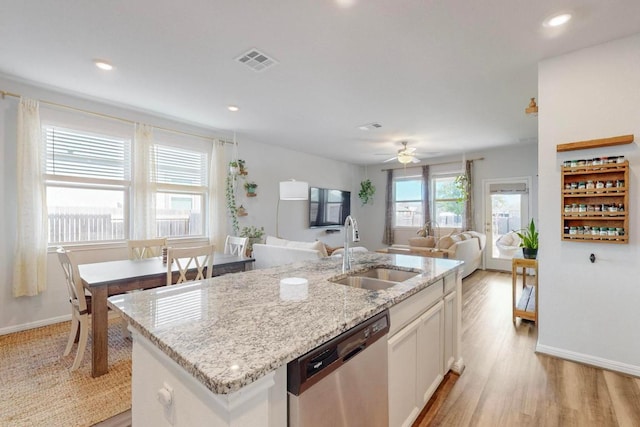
[(352, 348)]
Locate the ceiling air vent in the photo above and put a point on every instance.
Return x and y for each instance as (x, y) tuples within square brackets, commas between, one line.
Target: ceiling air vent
[(256, 60), (370, 126)]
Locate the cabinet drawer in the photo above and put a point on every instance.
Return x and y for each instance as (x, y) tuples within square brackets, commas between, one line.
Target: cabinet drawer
[(449, 282), (406, 311)]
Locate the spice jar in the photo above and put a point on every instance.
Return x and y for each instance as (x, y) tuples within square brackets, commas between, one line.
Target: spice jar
[(590, 185), (599, 184), (609, 184), (595, 231)]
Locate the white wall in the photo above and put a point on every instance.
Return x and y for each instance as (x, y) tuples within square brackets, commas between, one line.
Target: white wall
[(506, 162), (267, 166), (589, 312)]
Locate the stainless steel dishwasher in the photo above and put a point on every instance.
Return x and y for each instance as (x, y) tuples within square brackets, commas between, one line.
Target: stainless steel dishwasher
[(344, 381)]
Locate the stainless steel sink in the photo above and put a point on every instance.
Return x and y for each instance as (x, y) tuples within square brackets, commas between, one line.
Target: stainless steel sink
[(387, 274), (365, 283), (375, 279)]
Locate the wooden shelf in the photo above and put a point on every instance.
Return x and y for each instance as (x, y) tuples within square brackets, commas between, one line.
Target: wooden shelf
[(595, 143), (591, 198), (526, 307)]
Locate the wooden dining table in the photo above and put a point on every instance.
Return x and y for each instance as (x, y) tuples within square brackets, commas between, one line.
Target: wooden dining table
[(104, 279)]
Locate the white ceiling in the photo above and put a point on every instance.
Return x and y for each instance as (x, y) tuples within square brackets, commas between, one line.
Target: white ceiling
[(446, 75)]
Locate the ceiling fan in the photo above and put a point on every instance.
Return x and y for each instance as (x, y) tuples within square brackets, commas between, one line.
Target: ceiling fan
[(405, 155)]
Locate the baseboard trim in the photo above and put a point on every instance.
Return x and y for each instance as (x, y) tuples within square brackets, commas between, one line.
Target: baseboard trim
[(45, 322), (36, 324), (587, 359)]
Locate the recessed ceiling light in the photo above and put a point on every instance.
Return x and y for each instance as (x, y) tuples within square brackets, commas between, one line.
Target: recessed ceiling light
[(233, 108), (103, 65), (557, 20)]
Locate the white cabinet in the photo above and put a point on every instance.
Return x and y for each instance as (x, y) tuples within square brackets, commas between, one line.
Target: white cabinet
[(423, 345), (403, 381), (449, 330), (430, 354)]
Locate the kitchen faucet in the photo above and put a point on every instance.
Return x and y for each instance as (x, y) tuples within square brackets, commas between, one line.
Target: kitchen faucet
[(355, 237)]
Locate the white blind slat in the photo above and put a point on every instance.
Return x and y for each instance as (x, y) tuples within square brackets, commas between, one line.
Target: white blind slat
[(178, 166), (81, 154)]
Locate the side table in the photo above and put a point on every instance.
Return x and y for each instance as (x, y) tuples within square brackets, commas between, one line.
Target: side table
[(527, 306)]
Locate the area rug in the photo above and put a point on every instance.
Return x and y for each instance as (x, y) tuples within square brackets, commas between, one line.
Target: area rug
[(37, 388)]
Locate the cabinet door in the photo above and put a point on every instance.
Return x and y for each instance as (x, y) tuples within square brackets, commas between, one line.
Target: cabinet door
[(449, 329), (430, 353), (402, 352)]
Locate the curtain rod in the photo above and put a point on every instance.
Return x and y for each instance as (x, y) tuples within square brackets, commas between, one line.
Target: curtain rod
[(107, 116), (429, 164)]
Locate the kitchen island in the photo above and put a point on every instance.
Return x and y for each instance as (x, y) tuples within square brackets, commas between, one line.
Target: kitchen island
[(215, 352)]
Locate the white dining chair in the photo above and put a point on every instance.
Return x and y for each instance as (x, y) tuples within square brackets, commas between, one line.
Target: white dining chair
[(198, 258), (80, 305), (147, 248), (236, 245)]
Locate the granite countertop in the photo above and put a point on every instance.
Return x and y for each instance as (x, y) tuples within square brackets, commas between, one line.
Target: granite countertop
[(230, 330)]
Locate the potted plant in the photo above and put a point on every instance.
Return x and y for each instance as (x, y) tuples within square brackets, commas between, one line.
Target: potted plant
[(529, 240), (254, 234), (367, 190), (241, 164), (250, 186), (234, 167)]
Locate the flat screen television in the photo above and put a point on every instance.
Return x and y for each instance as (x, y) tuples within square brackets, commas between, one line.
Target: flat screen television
[(328, 208)]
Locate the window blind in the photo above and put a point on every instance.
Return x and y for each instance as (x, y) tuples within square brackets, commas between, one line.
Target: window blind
[(77, 154), (179, 166)]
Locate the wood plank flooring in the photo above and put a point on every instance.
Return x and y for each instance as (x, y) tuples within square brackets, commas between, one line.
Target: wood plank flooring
[(506, 383)]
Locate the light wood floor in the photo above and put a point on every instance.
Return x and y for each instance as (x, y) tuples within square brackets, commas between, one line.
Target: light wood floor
[(506, 383)]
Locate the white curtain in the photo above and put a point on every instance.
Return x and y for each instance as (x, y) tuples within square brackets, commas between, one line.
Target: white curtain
[(217, 202), (144, 187), (30, 263)]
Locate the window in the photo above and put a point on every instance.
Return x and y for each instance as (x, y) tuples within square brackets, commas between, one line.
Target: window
[(407, 191), (89, 181), (448, 203), (181, 178), (88, 177)]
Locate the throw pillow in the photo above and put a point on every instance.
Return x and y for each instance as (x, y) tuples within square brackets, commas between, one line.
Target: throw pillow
[(276, 241), (446, 242), (422, 242)]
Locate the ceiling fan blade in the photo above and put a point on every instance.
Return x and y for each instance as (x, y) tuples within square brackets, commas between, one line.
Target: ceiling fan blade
[(389, 160), (415, 160)]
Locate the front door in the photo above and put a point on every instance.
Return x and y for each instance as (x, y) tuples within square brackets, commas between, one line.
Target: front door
[(506, 204)]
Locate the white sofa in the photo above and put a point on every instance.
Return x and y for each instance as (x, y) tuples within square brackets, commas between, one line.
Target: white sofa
[(277, 251), (467, 246)]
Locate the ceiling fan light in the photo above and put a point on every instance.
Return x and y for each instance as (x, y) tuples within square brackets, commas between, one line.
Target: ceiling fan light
[(405, 158)]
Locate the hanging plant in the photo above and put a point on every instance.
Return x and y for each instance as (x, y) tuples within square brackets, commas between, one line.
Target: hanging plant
[(231, 201), (367, 190), (462, 185), (241, 165), (250, 186)]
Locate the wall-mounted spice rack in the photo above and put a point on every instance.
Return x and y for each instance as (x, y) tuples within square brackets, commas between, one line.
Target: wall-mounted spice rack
[(595, 200)]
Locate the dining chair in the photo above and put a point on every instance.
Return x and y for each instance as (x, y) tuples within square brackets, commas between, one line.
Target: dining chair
[(148, 248), (198, 258), (236, 245), (80, 305)]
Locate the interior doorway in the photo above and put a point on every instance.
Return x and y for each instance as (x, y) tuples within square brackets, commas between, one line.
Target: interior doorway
[(506, 208)]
